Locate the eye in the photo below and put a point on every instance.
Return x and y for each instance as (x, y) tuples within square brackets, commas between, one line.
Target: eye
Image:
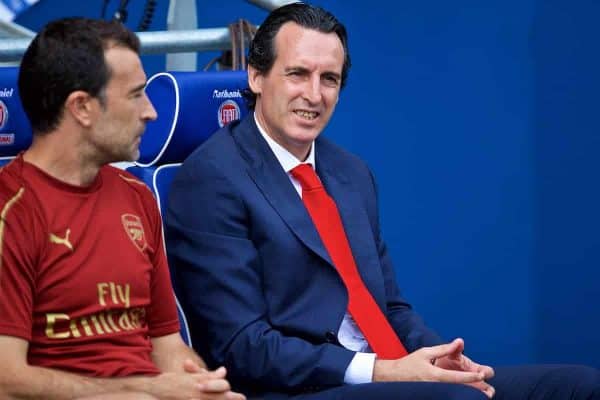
[(294, 73), (297, 73), (331, 80)]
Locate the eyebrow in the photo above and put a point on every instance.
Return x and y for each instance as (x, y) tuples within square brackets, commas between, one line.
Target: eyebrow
[(138, 88), (299, 69), (304, 70)]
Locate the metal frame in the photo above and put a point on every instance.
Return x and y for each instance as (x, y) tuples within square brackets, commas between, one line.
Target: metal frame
[(156, 42)]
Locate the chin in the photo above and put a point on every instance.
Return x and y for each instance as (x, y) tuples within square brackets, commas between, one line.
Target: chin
[(305, 133), (306, 138)]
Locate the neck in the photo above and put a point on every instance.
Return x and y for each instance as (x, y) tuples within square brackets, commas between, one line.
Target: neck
[(58, 155)]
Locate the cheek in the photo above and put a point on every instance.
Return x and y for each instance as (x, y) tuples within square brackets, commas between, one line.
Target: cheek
[(331, 97)]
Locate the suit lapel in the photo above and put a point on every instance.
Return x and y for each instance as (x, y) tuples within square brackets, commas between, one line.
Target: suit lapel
[(268, 175), (354, 218), (270, 178)]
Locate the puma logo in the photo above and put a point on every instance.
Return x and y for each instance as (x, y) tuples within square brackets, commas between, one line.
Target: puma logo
[(64, 241)]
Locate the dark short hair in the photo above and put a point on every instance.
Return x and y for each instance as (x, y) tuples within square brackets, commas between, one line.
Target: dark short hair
[(262, 52), (67, 55)]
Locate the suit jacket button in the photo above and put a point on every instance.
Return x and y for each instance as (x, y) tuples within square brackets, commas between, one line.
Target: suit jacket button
[(330, 337)]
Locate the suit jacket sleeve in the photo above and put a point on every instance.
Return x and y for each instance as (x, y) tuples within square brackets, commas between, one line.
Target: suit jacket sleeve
[(217, 269), (406, 322)]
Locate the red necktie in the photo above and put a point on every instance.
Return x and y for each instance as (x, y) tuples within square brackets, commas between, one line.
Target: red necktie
[(363, 308)]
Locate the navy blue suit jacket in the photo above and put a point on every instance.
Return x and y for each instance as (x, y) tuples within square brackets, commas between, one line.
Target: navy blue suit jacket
[(260, 291)]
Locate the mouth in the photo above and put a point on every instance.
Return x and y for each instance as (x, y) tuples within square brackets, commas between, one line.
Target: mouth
[(307, 115)]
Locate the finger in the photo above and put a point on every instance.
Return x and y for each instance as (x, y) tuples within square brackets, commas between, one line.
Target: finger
[(190, 366), (488, 372), (235, 396), (485, 387), (460, 343), (214, 386), (457, 354), (219, 373), (466, 364), (222, 396), (470, 365), (451, 376), (490, 391), (442, 350)]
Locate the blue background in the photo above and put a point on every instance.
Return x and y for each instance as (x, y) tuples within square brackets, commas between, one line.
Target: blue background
[(480, 121)]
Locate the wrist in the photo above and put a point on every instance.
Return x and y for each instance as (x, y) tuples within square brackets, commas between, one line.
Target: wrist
[(380, 369), (137, 384)]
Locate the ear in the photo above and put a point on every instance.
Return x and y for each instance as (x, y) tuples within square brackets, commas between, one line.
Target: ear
[(80, 106), (255, 80)]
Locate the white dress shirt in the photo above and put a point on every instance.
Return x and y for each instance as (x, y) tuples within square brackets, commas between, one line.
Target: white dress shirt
[(360, 369)]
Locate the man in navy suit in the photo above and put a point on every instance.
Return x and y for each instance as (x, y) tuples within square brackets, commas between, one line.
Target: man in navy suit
[(254, 273)]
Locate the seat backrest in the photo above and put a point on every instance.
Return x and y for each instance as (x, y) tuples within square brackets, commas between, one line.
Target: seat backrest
[(191, 106), (15, 130), (159, 179)]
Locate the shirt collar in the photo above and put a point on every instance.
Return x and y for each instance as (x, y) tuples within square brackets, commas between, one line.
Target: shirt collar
[(287, 160)]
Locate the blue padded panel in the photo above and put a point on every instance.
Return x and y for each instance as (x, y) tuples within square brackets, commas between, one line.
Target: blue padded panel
[(184, 330), (159, 180), (162, 183), (15, 131), (146, 175), (191, 106)]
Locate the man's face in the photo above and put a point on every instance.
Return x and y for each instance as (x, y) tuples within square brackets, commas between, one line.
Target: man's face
[(119, 124), (296, 98)]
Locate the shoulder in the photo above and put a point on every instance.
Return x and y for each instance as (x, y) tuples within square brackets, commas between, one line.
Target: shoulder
[(14, 187), (18, 201), (131, 192), (219, 146), (120, 180), (10, 179), (339, 158), (13, 191), (123, 179), (219, 156)]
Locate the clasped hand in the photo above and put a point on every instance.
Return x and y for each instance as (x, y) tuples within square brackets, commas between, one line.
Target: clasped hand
[(196, 384), (444, 363)]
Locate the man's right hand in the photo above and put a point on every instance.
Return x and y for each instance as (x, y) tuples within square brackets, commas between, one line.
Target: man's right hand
[(420, 366)]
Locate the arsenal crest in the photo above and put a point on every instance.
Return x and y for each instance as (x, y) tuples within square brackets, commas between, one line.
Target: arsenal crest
[(135, 230)]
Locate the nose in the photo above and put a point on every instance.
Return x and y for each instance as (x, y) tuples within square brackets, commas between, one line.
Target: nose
[(149, 113), (312, 92)]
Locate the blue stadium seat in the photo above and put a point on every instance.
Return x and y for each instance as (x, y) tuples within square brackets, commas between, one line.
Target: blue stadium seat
[(15, 130), (191, 106)]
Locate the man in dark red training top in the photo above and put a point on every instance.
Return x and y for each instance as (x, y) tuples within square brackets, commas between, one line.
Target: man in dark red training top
[(85, 293)]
